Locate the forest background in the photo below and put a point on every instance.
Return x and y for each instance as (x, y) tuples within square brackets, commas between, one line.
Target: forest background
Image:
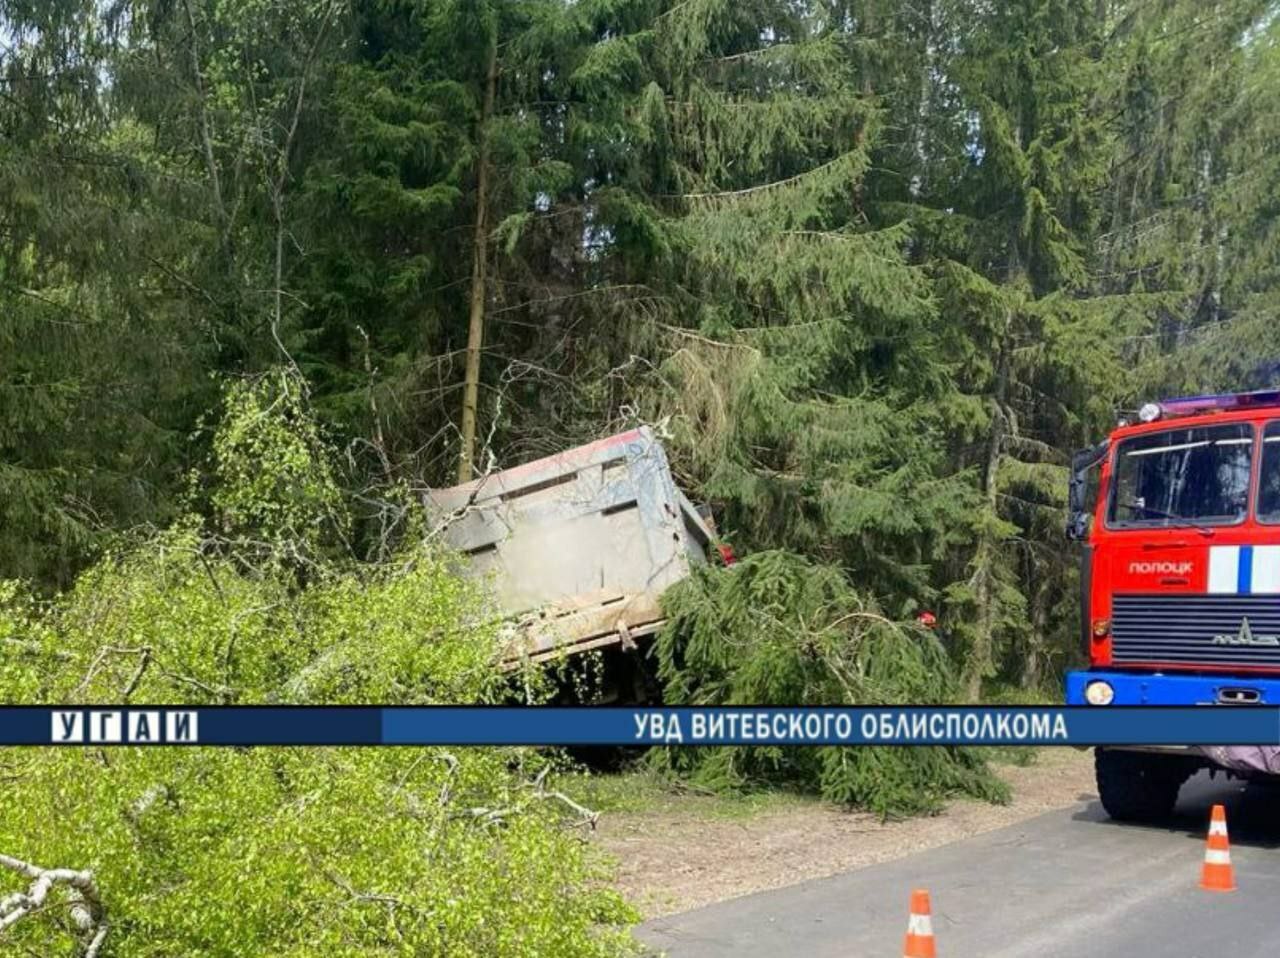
[(873, 270)]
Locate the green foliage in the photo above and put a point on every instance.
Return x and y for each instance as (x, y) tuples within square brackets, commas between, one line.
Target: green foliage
[(297, 851), (309, 853), (300, 852), (271, 472), (794, 357), (878, 268), (97, 366), (777, 629)]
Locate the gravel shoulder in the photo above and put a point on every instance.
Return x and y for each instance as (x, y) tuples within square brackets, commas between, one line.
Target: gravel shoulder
[(686, 851)]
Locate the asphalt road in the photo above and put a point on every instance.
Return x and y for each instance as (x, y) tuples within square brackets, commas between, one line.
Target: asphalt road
[(1069, 882)]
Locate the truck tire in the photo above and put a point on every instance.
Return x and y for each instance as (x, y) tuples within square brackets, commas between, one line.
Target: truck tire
[(1138, 786)]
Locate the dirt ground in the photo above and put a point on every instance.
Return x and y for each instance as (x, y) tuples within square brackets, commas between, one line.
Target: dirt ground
[(677, 857)]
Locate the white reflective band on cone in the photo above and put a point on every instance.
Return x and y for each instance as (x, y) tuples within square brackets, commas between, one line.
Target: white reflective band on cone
[(1213, 856), (1217, 828), (920, 925)]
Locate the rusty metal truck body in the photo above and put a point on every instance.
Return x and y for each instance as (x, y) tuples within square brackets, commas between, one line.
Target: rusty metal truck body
[(578, 547)]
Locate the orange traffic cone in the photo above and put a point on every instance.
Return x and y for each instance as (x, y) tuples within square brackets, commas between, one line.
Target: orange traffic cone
[(919, 942), (1218, 875)]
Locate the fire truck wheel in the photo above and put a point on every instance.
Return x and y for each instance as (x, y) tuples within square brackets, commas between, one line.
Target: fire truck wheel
[(1139, 787)]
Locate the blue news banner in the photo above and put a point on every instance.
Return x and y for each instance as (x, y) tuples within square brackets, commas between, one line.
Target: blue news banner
[(615, 726)]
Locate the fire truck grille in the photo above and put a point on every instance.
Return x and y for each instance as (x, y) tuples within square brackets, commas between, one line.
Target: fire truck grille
[(1208, 630)]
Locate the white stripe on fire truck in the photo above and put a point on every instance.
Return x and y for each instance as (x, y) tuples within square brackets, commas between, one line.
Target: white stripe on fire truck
[(1244, 570), (1224, 570), (1266, 570)]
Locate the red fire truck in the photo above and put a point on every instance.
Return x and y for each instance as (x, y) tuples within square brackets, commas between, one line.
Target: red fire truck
[(1181, 582)]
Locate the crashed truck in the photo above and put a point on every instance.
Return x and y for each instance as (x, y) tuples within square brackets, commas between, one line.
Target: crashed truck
[(1180, 583), (579, 547)]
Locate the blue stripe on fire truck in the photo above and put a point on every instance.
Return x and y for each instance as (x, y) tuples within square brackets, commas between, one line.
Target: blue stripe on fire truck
[(1244, 570)]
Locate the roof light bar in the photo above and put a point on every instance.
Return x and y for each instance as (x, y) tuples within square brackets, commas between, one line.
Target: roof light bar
[(1195, 405)]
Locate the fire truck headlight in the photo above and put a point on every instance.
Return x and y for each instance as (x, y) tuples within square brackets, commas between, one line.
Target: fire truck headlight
[(1150, 412), (1099, 693)]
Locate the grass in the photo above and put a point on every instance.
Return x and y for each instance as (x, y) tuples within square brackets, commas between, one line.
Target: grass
[(1001, 693), (639, 790), (1020, 755)]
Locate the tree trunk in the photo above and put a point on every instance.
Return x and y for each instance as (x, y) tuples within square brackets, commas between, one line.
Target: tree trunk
[(479, 256), (866, 26), (981, 655), (924, 104), (1033, 660)]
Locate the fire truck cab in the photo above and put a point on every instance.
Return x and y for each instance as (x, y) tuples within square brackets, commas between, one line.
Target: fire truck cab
[(1180, 581)]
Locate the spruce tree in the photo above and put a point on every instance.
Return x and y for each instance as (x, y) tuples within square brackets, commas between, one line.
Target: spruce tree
[(1005, 234), (1191, 213), (99, 366), (792, 354)]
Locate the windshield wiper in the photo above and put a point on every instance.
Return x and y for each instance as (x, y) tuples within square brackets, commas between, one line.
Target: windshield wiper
[(1173, 516)]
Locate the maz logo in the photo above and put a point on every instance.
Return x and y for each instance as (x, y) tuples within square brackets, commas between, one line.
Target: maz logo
[(1246, 637), (1160, 568)]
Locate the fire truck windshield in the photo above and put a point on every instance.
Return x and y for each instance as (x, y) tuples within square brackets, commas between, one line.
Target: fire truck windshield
[(1269, 486), (1192, 476)]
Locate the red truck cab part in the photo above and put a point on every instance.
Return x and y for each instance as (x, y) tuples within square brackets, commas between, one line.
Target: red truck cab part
[(1182, 563), (1180, 582)]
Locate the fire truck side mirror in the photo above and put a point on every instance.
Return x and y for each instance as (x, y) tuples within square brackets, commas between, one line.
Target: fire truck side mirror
[(1077, 512), (1078, 526)]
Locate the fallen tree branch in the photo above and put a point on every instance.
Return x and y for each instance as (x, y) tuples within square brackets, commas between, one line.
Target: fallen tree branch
[(132, 684), (540, 793), (87, 912), (224, 692), (144, 651)]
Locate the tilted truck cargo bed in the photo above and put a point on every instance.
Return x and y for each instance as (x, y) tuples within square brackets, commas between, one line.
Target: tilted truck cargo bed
[(578, 547)]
